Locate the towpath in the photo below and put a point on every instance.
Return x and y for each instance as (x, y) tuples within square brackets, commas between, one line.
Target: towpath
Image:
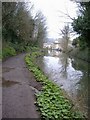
[(18, 89)]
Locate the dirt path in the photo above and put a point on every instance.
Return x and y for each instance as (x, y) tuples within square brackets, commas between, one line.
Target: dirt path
[(17, 93)]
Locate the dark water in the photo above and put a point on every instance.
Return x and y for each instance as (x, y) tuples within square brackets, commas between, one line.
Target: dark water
[(69, 73)]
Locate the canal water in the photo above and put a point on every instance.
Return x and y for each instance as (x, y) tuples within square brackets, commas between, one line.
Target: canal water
[(70, 74)]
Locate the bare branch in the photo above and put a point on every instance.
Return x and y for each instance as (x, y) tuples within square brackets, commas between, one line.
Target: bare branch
[(67, 15)]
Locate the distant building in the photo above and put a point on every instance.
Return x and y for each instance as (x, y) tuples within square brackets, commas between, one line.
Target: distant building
[(47, 45), (57, 45), (54, 45)]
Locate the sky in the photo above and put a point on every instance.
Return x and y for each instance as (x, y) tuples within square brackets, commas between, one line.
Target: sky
[(52, 10)]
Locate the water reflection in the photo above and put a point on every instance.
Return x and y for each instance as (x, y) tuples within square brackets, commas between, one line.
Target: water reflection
[(70, 73)]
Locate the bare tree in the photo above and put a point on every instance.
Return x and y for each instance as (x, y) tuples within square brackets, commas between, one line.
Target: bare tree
[(65, 32), (40, 30)]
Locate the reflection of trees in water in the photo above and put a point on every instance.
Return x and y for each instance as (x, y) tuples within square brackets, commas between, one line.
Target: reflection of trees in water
[(82, 94), (64, 62), (80, 87), (54, 53), (80, 65)]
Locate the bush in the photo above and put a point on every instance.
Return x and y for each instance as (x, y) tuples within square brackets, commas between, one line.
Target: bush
[(8, 51), (19, 47)]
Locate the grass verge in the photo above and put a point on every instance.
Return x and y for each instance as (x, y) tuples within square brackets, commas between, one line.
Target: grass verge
[(52, 104), (8, 51)]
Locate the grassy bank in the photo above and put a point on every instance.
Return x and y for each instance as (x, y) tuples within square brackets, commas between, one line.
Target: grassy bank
[(9, 49), (81, 54), (51, 101)]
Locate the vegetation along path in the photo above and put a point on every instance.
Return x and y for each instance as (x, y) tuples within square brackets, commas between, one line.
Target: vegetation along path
[(18, 89)]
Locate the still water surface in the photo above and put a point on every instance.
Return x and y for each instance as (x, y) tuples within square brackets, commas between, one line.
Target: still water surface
[(70, 74)]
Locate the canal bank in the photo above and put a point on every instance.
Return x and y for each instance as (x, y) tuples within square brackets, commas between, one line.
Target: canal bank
[(43, 98), (80, 54), (70, 73)]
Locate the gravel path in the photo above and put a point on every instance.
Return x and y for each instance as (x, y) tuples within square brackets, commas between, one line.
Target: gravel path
[(17, 93)]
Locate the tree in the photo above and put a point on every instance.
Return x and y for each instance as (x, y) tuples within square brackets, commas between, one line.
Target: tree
[(20, 27), (65, 32), (75, 42), (40, 30), (82, 24), (24, 24), (8, 11)]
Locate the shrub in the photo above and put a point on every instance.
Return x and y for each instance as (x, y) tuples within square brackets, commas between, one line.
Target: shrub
[(8, 51)]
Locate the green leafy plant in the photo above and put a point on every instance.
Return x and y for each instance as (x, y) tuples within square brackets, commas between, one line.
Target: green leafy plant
[(8, 51), (51, 101)]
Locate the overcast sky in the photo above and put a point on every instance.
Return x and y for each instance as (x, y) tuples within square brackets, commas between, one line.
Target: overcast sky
[(51, 10)]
